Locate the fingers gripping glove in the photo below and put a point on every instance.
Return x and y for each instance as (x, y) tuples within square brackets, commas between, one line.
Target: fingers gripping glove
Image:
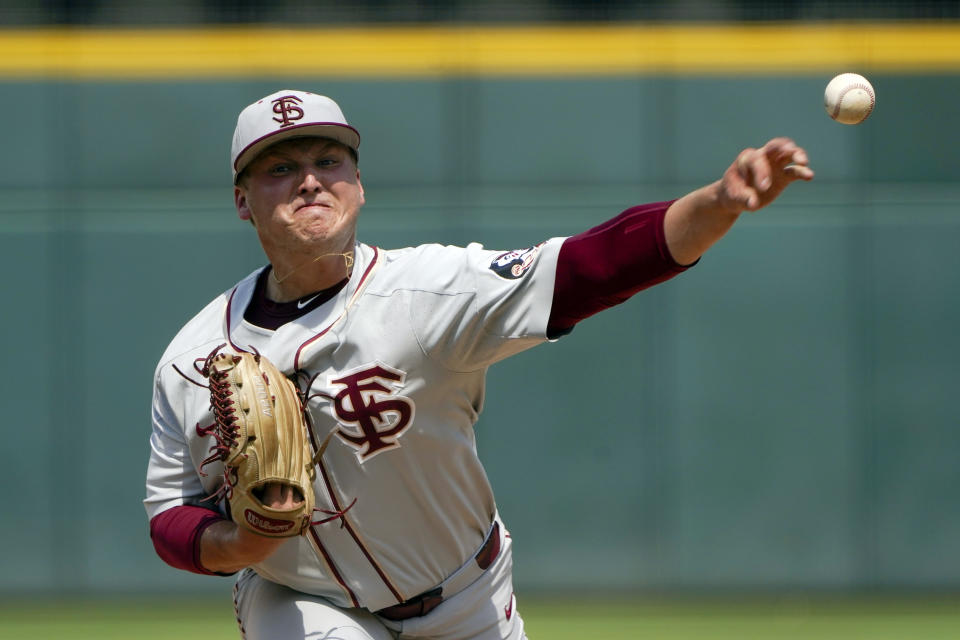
[(261, 438)]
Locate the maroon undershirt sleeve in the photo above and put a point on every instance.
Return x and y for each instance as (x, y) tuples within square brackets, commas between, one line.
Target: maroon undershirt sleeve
[(607, 264), (176, 536)]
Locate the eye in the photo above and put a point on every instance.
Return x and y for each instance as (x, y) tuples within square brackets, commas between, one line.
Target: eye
[(280, 168), (328, 161)]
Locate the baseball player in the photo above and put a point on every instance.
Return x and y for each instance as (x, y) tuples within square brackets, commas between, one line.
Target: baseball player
[(390, 349)]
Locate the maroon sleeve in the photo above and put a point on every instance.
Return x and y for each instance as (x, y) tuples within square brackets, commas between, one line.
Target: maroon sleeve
[(176, 536), (607, 264)]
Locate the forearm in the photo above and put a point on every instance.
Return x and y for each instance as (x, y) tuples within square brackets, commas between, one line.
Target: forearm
[(696, 221), (202, 541), (227, 548)]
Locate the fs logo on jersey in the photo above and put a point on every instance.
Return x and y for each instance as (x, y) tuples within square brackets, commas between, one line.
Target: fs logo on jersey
[(371, 414), (513, 264)]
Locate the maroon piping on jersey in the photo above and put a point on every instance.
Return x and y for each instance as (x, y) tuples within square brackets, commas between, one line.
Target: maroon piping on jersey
[(353, 534), (333, 568), (609, 263), (296, 360), (236, 610), (333, 497), (363, 278), (229, 328), (315, 446)]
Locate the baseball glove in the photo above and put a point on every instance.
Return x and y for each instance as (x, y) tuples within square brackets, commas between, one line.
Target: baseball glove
[(261, 438)]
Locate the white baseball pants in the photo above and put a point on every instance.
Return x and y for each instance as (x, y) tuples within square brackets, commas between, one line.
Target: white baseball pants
[(485, 610)]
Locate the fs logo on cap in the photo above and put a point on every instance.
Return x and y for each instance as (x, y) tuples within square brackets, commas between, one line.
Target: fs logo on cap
[(287, 114), (286, 107)]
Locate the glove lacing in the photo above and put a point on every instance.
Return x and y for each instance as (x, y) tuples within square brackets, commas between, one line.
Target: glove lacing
[(224, 428)]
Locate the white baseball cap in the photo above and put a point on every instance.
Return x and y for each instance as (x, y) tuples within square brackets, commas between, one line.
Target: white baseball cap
[(287, 114)]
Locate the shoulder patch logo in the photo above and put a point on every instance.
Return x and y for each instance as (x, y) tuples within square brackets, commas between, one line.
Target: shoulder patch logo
[(513, 264)]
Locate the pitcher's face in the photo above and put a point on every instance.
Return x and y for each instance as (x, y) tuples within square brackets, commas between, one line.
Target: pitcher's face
[(302, 195)]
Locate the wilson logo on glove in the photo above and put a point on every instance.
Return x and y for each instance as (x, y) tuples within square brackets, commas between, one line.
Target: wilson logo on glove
[(269, 526)]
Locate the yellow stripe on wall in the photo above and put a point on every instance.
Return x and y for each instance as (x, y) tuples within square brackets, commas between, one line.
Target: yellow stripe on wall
[(487, 50)]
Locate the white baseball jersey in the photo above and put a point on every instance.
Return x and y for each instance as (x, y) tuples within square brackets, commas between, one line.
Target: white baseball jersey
[(397, 361)]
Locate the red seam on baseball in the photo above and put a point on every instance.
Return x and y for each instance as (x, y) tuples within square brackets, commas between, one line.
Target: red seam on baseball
[(836, 110)]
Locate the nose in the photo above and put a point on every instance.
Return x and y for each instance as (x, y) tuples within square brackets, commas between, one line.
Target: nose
[(311, 182)]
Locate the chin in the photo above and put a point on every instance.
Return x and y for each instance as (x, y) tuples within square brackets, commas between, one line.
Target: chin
[(324, 239)]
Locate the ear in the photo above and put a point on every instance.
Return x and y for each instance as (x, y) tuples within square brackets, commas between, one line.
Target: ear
[(243, 207), (363, 199)]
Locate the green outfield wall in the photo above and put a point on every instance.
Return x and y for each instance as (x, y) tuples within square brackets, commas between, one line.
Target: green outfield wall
[(784, 415)]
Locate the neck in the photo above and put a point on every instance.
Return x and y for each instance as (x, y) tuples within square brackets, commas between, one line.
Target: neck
[(293, 281)]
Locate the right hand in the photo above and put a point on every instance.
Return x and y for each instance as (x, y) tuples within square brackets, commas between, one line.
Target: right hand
[(694, 222), (758, 176)]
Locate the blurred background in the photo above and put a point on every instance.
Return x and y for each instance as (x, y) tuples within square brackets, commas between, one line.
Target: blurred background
[(780, 419)]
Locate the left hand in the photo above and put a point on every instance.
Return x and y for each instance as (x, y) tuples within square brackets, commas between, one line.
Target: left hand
[(279, 496), (758, 176)]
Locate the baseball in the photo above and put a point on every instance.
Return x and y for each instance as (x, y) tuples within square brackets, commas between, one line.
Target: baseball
[(849, 98)]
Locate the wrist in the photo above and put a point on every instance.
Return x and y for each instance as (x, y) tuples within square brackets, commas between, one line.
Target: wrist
[(713, 199), (226, 547), (216, 543)]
